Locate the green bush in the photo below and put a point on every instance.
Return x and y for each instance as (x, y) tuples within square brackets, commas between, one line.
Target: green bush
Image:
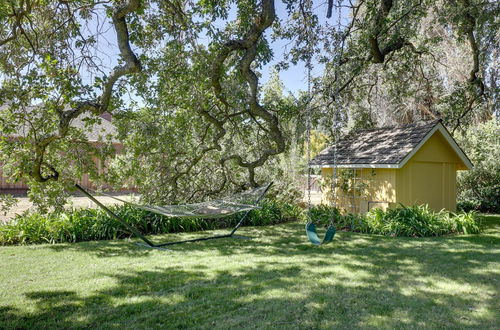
[(292, 211), (468, 206), (415, 221), (479, 188), (78, 225), (323, 214), (420, 221)]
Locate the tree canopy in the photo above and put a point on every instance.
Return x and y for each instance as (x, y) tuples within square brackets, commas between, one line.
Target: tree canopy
[(182, 80)]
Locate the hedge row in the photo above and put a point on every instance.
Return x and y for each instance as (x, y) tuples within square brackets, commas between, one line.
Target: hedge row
[(88, 224), (414, 221), (78, 225)]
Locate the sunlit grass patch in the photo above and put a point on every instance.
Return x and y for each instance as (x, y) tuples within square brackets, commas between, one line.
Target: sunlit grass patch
[(276, 280)]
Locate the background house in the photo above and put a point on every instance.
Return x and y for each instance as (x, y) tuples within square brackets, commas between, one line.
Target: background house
[(99, 132), (409, 164)]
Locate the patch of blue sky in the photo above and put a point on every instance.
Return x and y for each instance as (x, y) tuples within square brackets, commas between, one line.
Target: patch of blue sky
[(294, 77)]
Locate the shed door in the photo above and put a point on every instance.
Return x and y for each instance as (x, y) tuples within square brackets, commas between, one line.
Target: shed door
[(427, 184)]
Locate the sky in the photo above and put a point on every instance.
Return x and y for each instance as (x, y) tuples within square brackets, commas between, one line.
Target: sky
[(294, 78)]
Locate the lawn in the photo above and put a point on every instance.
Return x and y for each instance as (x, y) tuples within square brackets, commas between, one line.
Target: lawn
[(276, 280)]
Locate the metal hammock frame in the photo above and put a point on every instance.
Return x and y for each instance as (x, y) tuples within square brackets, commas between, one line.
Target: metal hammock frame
[(150, 244)]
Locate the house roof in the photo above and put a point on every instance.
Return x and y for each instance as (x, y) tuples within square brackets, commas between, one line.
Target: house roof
[(386, 147), (98, 131)]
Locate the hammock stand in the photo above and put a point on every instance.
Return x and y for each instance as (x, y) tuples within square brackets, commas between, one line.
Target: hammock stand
[(149, 244)]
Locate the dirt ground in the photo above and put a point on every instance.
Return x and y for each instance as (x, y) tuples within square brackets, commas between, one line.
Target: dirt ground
[(77, 201)]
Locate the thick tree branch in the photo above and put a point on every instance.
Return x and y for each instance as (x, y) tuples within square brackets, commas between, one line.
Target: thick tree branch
[(130, 65), (477, 90), (329, 9), (248, 44)]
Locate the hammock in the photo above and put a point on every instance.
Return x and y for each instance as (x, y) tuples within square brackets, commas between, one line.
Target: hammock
[(241, 202), (218, 208)]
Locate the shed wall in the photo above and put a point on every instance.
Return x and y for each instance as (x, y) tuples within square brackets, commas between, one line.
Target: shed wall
[(429, 177), (378, 190)]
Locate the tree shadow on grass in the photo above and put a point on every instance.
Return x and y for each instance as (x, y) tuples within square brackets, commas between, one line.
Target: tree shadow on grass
[(134, 247), (281, 281), (284, 238), (259, 296), (431, 254), (105, 249)]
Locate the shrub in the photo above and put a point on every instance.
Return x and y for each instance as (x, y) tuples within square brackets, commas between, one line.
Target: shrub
[(77, 225), (323, 214), (420, 221), (479, 188), (464, 223), (406, 221), (468, 206), (292, 211), (415, 221)]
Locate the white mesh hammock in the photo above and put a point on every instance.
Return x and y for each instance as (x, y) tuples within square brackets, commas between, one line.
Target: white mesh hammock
[(242, 202), (218, 208)]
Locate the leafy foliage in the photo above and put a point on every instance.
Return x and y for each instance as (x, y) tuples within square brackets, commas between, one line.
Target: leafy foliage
[(323, 214), (185, 91), (415, 221), (95, 224), (403, 61), (420, 221), (479, 188), (170, 153), (7, 201)]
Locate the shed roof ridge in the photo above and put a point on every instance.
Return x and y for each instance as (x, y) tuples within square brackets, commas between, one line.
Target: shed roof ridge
[(413, 124)]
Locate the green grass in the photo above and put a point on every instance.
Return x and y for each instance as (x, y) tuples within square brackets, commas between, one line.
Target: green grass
[(276, 280)]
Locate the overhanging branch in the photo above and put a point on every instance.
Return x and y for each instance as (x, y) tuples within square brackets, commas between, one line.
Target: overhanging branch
[(130, 65), (248, 45)]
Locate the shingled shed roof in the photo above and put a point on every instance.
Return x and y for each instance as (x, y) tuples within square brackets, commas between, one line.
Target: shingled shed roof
[(386, 147)]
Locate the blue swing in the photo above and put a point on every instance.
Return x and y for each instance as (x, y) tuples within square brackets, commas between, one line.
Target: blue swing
[(312, 234)]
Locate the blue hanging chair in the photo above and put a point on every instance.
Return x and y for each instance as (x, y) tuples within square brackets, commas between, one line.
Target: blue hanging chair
[(312, 234)]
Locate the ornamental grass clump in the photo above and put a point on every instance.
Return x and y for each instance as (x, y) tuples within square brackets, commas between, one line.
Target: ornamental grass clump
[(78, 225), (420, 221), (464, 223), (414, 221)]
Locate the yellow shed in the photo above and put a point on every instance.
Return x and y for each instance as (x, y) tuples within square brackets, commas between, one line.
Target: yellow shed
[(407, 164)]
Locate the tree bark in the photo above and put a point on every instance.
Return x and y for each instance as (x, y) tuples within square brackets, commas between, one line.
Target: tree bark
[(248, 44), (100, 105)]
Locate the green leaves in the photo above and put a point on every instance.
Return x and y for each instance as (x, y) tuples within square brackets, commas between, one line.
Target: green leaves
[(76, 225), (7, 201), (420, 221), (479, 188), (414, 221)]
